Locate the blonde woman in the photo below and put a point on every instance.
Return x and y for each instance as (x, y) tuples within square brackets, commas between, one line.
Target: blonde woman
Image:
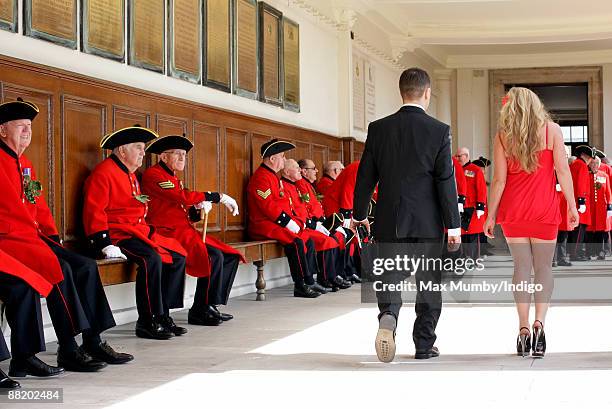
[(528, 149)]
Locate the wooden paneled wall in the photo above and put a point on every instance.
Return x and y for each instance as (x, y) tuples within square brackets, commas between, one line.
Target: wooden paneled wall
[(76, 111)]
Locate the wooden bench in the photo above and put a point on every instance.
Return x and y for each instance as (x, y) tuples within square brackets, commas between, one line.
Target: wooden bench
[(117, 271)]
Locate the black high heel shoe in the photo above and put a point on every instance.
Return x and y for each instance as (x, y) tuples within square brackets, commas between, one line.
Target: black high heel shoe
[(523, 343), (539, 341)]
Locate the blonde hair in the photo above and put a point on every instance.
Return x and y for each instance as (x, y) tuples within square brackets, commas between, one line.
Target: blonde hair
[(520, 121)]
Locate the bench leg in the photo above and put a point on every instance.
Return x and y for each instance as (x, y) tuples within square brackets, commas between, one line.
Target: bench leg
[(260, 284)]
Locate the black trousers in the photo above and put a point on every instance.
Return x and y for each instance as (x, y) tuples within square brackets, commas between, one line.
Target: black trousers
[(327, 260), (215, 290), (428, 303), (22, 308), (299, 264), (561, 248), (576, 240), (159, 286), (78, 303), (470, 243), (595, 242)]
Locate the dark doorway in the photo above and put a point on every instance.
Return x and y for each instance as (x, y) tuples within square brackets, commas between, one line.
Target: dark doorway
[(568, 106)]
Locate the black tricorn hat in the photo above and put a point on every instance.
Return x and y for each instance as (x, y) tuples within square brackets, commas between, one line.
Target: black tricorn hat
[(275, 146), (482, 162), (164, 143), (123, 136), (20, 109), (599, 154), (586, 149)]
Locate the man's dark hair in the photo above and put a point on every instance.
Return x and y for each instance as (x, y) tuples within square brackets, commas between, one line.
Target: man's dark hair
[(302, 163), (413, 83)]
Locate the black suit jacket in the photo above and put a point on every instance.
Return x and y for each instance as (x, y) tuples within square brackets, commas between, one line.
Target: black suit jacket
[(408, 155)]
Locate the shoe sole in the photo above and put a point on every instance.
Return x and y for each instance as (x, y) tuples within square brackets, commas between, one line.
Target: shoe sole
[(385, 345), (147, 336), (22, 375), (425, 356)]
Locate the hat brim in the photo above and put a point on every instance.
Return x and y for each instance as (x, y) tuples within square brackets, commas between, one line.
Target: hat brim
[(587, 150), (599, 154), (127, 135), (164, 143), (277, 147), (16, 110)]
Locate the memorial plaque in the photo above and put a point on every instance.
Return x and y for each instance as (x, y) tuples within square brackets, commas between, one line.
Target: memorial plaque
[(8, 15), (146, 34), (270, 36), (358, 93), (291, 64), (185, 38), (218, 44), (103, 28), (52, 20), (246, 43)]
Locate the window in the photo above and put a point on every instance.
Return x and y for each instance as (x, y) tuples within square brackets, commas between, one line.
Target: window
[(575, 134)]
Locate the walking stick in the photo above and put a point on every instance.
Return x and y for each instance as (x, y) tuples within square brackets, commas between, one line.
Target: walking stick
[(204, 216)]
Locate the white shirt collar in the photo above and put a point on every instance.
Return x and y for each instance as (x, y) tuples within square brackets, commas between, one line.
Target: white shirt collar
[(414, 105)]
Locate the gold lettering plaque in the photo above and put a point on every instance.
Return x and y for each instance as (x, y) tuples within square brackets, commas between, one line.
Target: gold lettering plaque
[(52, 20), (291, 62), (186, 39), (246, 58), (269, 32), (147, 46), (103, 28), (8, 15), (218, 44)]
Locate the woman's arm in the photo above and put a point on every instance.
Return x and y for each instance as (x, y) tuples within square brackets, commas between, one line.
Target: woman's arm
[(564, 176), (500, 170)]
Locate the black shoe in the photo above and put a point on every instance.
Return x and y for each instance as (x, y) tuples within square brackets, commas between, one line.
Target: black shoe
[(303, 291), (152, 330), (341, 283), (485, 253), (329, 286), (206, 318), (427, 353), (168, 323), (8, 383), (78, 361), (554, 263), (354, 278), (523, 342), (563, 263), (318, 288), (222, 315), (580, 258), (538, 348), (601, 256), (104, 352), (20, 368)]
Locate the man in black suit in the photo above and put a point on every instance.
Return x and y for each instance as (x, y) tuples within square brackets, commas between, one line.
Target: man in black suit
[(408, 155)]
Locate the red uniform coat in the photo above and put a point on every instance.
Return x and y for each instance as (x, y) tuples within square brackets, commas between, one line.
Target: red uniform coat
[(112, 212), (169, 215), (24, 225), (582, 188), (601, 199), (299, 211), (476, 196), (9, 265), (339, 196), (324, 183), (607, 169)]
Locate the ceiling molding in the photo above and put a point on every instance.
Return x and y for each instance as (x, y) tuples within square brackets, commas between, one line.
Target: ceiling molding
[(530, 60), (384, 57)]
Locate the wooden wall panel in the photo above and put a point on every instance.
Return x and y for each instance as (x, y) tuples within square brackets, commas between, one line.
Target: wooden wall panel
[(84, 124), (302, 151), (319, 157), (235, 180), (256, 142), (126, 116), (206, 157)]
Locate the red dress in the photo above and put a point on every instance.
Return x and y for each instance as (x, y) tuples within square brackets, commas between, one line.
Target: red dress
[(529, 206)]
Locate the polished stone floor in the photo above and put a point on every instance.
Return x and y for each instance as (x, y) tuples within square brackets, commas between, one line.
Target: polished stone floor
[(288, 352)]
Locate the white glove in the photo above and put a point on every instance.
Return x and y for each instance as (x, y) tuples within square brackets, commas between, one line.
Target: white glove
[(113, 252), (341, 230), (609, 213), (558, 187), (479, 213), (322, 229), (460, 205), (346, 223), (230, 203), (293, 226), (206, 206), (581, 208)]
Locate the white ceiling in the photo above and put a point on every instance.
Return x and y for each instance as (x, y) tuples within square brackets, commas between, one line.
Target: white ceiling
[(451, 29)]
